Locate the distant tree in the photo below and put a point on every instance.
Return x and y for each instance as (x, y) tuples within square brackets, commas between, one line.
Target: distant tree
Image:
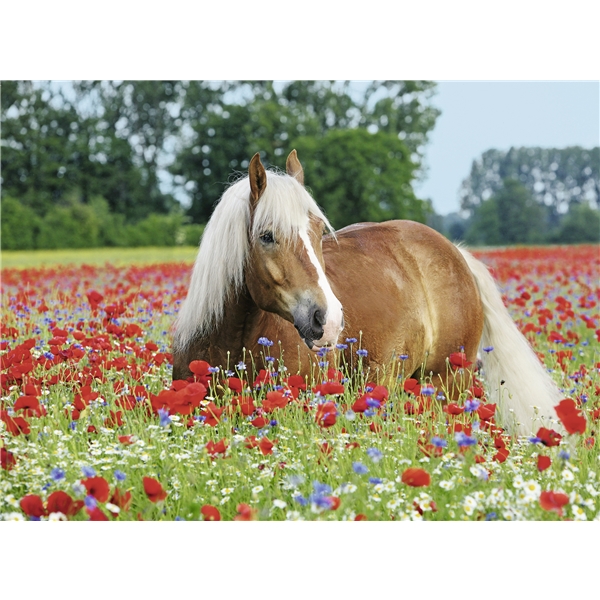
[(231, 121), (510, 216), (555, 177), (581, 224), (360, 176)]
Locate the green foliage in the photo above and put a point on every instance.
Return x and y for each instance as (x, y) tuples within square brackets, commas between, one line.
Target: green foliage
[(20, 225), (511, 216), (358, 176), (581, 224), (555, 177)]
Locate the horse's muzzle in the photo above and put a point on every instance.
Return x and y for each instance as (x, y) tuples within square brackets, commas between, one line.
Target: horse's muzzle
[(309, 320)]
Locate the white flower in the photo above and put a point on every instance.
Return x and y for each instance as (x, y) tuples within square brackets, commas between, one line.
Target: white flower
[(224, 500), (14, 516), (447, 485), (567, 475), (113, 508), (255, 490), (227, 491), (469, 505), (279, 503), (58, 516), (293, 515), (578, 513)]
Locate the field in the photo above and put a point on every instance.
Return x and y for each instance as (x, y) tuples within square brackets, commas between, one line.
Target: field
[(92, 427)]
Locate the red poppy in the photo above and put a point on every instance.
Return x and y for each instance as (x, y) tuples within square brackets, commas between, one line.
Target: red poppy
[(549, 437), (274, 400), (459, 360), (32, 505), (235, 384), (453, 409), (570, 416), (121, 499), (259, 422), (553, 501), (245, 513), (331, 388), (501, 455), (154, 490), (326, 414), (212, 414), (416, 477), (335, 502), (266, 446), (126, 439), (486, 411), (7, 459), (245, 404), (411, 386), (210, 513), (361, 517), (60, 501), (96, 514), (543, 462), (219, 448), (15, 425), (97, 487)]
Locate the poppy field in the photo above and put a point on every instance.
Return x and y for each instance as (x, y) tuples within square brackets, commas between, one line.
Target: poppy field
[(93, 427)]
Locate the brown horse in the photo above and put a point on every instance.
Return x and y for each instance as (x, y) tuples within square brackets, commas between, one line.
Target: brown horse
[(270, 266)]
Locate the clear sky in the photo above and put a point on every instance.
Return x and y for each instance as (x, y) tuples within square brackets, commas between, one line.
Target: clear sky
[(479, 115)]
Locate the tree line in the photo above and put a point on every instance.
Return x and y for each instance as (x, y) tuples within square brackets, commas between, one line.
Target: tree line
[(133, 163), (137, 162)]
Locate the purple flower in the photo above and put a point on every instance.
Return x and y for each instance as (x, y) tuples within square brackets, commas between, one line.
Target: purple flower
[(341, 346), (362, 352), (359, 468), (351, 340), (119, 475), (438, 442), (263, 341), (374, 454), (403, 356), (471, 405), (375, 480), (90, 502), (427, 390), (163, 413), (57, 474), (462, 439), (88, 472)]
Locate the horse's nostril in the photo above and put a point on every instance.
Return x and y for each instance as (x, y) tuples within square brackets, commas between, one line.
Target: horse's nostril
[(319, 317)]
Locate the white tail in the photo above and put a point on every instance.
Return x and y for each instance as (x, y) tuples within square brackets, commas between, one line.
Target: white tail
[(515, 378)]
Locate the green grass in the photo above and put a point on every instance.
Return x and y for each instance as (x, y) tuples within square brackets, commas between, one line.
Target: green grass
[(96, 256)]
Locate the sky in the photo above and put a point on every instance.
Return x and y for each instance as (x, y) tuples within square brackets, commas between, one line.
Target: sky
[(479, 115)]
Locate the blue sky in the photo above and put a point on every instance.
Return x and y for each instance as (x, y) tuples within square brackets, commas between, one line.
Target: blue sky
[(479, 115)]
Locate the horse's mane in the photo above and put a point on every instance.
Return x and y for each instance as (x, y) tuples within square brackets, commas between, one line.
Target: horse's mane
[(218, 272)]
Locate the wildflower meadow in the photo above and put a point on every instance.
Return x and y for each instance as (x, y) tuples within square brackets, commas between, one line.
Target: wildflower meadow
[(93, 427)]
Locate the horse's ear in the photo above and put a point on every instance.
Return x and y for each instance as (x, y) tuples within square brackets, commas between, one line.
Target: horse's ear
[(294, 168), (258, 179)]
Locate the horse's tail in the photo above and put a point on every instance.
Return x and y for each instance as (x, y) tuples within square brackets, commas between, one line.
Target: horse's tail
[(515, 378)]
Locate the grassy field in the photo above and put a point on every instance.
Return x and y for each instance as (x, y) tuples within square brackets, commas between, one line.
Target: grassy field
[(96, 256), (91, 429)]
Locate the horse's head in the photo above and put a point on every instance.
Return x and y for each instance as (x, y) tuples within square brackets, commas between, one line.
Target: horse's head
[(286, 270)]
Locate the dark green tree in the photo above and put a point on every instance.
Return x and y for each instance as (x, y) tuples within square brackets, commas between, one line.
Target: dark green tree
[(510, 216), (360, 176)]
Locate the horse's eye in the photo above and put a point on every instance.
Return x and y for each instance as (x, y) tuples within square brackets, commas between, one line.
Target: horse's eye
[(267, 237)]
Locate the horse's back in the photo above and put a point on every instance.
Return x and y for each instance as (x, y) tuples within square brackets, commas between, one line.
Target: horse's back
[(406, 287)]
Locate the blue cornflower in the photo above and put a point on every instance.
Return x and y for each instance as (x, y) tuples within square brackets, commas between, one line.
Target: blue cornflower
[(163, 413), (119, 475), (213, 369), (369, 412), (471, 405), (320, 501), (564, 455), (359, 468), (441, 396), (300, 499), (273, 423), (427, 390), (438, 442), (88, 471), (323, 351), (491, 516), (463, 439), (323, 364), (350, 415), (351, 340), (269, 359), (375, 480), (230, 373), (362, 352), (341, 346), (49, 355), (57, 474), (535, 440), (240, 366), (374, 454), (263, 341), (321, 488), (90, 502), (403, 356), (488, 349), (373, 402), (178, 518)]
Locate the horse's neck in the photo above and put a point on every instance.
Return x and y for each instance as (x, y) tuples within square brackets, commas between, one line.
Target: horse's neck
[(232, 334)]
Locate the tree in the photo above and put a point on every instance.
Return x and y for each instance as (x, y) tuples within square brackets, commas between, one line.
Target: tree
[(555, 177), (580, 225), (510, 216), (360, 176), (231, 121)]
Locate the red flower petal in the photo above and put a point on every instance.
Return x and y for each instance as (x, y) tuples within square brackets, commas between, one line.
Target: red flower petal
[(32, 505), (416, 477), (210, 513), (543, 462), (154, 489)]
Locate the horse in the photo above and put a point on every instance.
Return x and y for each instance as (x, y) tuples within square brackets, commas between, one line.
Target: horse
[(270, 265)]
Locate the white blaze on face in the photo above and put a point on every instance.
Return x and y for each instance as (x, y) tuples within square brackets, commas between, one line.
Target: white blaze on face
[(334, 316)]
